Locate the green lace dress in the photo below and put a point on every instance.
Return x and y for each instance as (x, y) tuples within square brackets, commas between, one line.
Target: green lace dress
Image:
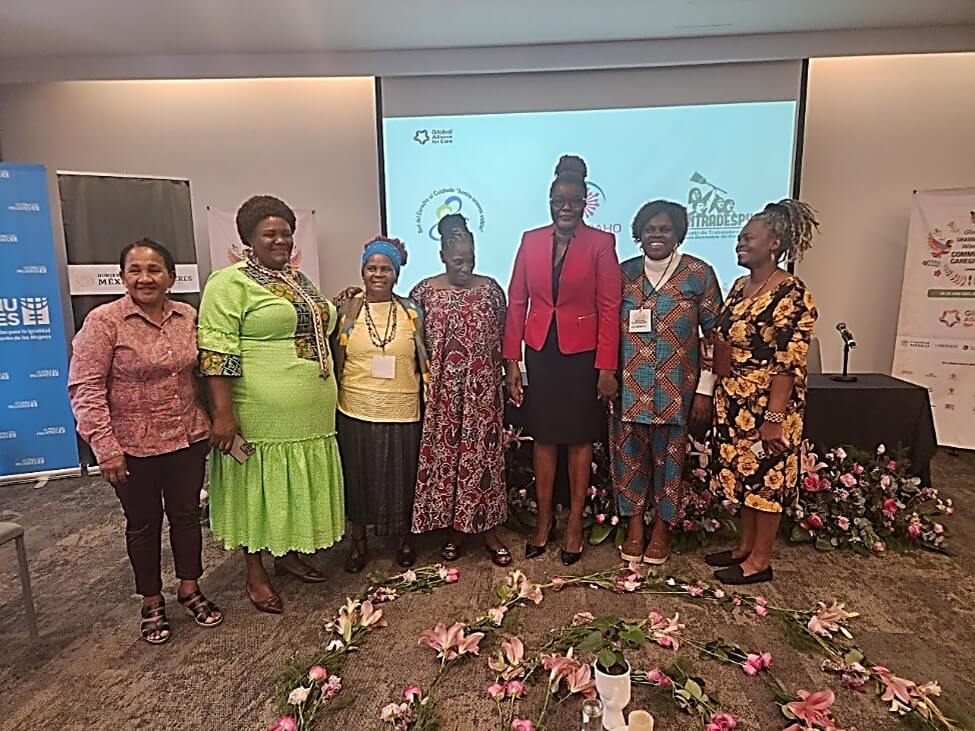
[(268, 331)]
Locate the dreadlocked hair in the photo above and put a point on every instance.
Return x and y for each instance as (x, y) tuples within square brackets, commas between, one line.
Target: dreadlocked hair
[(793, 223), (396, 243), (452, 228)]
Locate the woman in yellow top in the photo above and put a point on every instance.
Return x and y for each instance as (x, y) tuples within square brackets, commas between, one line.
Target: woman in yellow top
[(380, 364), (760, 358)]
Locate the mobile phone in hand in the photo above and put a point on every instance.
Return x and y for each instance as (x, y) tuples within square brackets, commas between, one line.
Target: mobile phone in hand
[(241, 449)]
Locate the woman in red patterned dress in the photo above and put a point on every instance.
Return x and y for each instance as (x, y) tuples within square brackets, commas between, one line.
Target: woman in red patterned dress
[(461, 480)]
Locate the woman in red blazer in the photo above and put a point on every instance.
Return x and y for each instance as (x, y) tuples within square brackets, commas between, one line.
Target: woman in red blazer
[(564, 304)]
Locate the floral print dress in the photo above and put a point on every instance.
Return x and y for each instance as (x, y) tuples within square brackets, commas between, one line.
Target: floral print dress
[(769, 336)]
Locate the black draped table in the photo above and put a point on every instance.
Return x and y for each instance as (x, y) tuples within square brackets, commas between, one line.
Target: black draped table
[(875, 409)]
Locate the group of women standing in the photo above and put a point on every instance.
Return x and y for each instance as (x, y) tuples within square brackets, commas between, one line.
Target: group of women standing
[(386, 411)]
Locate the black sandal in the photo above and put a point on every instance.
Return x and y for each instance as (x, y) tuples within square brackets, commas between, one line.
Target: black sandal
[(201, 609), (499, 556), (154, 622), (450, 551)]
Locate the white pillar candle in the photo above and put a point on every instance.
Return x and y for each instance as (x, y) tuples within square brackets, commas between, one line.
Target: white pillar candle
[(640, 721)]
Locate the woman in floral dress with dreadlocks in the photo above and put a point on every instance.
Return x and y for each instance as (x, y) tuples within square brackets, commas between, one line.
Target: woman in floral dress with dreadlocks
[(760, 352)]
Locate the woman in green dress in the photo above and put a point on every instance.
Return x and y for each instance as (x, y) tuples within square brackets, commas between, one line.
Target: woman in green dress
[(263, 339)]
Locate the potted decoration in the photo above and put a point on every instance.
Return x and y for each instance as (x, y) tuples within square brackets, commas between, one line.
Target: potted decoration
[(608, 640)]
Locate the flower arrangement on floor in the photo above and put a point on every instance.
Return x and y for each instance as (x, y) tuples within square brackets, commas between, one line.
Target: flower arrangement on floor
[(864, 502), (307, 685), (822, 627), (603, 641), (703, 514), (849, 499)]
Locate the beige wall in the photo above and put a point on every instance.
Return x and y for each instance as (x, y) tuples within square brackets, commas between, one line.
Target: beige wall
[(311, 142), (877, 128)]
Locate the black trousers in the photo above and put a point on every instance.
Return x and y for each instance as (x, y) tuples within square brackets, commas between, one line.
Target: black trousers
[(172, 480)]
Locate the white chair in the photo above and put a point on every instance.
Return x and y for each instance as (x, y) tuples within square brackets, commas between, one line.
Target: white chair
[(13, 532), (814, 360)]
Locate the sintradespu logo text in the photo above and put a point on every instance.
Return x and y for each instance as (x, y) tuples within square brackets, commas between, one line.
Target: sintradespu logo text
[(711, 211)]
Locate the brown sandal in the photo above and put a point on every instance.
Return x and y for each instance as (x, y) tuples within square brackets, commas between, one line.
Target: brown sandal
[(632, 551), (201, 609), (154, 622), (272, 605), (656, 555)]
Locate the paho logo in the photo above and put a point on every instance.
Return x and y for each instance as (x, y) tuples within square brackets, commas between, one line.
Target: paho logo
[(443, 202), (24, 311), (595, 197)]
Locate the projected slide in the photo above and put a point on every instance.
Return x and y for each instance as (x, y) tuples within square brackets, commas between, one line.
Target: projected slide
[(723, 161)]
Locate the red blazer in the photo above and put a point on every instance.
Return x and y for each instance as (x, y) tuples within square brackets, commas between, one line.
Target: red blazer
[(588, 310)]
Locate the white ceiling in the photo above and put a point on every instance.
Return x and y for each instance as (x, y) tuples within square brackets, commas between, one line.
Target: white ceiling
[(104, 28)]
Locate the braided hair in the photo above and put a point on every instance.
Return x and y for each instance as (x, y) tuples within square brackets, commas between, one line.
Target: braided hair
[(452, 229), (793, 223)]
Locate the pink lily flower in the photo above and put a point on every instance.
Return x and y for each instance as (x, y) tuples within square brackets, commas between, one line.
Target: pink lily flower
[(581, 681), (371, 617), (897, 691), (496, 615), (813, 709), (521, 724), (826, 621), (284, 723), (470, 643), (496, 691), (811, 464), (413, 693)]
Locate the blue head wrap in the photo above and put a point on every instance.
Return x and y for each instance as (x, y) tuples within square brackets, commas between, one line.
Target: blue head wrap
[(386, 249)]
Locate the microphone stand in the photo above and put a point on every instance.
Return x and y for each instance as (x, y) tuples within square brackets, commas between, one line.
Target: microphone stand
[(845, 378)]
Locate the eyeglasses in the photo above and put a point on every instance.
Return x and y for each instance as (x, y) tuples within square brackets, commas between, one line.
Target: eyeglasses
[(571, 202)]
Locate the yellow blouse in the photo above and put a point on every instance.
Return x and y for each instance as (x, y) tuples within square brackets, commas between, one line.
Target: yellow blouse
[(367, 397)]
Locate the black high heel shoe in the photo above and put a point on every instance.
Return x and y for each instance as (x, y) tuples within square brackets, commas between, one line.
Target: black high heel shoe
[(570, 557), (533, 551)]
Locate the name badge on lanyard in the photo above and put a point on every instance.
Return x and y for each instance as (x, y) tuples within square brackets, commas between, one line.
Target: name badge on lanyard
[(384, 366), (641, 320)]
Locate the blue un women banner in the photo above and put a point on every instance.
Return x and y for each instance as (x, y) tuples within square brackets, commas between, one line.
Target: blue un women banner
[(37, 433)]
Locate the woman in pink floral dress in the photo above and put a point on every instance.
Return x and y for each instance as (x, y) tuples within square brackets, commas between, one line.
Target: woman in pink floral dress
[(461, 477)]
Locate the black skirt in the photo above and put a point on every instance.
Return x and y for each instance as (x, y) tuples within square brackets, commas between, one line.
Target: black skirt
[(379, 461), (560, 405)]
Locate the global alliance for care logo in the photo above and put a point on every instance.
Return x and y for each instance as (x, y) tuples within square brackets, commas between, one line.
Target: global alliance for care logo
[(950, 318), (436, 136), (24, 311), (957, 318)]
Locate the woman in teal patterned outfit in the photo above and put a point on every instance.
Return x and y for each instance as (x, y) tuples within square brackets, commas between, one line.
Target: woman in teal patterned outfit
[(263, 339)]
